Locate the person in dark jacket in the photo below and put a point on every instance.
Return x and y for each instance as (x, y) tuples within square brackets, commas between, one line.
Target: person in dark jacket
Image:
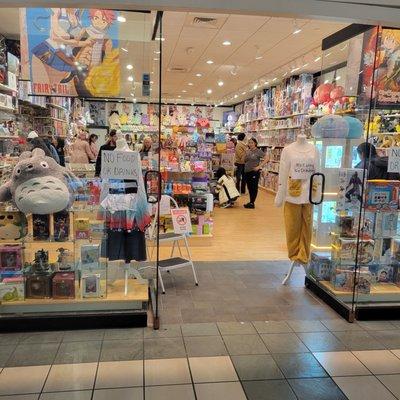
[(109, 145), (377, 166), (59, 144)]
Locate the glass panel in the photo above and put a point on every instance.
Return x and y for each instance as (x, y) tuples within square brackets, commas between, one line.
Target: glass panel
[(338, 115)]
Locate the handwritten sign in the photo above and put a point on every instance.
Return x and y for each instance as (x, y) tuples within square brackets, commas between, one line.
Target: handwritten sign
[(302, 169), (394, 159), (181, 220), (120, 164)]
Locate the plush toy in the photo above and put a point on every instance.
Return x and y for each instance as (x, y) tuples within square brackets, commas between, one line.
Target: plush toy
[(39, 185), (337, 93), (113, 120), (387, 141), (322, 93)]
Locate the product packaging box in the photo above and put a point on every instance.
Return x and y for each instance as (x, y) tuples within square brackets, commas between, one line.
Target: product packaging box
[(82, 228), (41, 227), (343, 279), (346, 226), (320, 266), (64, 285), (90, 285), (368, 225), (344, 251), (90, 254), (382, 273), (350, 188), (382, 195), (61, 226), (38, 286), (10, 258), (386, 224), (383, 250), (12, 289)]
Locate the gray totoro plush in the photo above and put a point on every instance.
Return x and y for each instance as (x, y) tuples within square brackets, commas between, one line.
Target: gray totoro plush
[(39, 185)]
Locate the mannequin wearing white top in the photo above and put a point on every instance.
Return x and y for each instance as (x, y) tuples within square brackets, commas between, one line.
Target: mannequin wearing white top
[(299, 161)]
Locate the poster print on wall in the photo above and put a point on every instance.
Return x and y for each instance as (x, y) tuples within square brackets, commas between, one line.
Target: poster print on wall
[(71, 51), (386, 80)]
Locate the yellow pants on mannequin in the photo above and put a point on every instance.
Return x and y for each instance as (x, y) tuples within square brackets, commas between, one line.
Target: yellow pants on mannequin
[(298, 224)]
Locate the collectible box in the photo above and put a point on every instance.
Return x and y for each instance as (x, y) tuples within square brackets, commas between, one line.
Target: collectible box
[(10, 258), (38, 286), (382, 195), (382, 273), (61, 226), (90, 285), (383, 250), (350, 188), (344, 251), (343, 279), (64, 285), (346, 226), (82, 228), (386, 224), (41, 227), (368, 225), (12, 289), (90, 254), (320, 266)]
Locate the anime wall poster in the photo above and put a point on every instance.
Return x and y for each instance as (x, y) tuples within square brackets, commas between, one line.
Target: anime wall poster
[(71, 51), (381, 47)]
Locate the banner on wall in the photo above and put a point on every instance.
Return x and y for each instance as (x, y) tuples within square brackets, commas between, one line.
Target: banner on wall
[(385, 77), (71, 51)]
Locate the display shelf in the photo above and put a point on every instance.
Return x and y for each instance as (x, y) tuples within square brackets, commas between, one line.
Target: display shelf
[(5, 137), (287, 116), (5, 88), (52, 118), (56, 106), (30, 104), (9, 109), (279, 129)]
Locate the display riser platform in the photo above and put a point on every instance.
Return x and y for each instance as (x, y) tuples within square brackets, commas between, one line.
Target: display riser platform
[(71, 321)]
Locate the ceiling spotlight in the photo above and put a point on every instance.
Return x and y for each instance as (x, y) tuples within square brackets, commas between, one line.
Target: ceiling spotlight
[(285, 74), (209, 91), (317, 59), (192, 104), (130, 78), (220, 83), (235, 96), (255, 86), (190, 84), (326, 81), (156, 59), (179, 96), (273, 80), (258, 55), (221, 103), (327, 55), (234, 70), (184, 91), (344, 47), (133, 94), (338, 78), (294, 70), (162, 39), (210, 62), (124, 49), (134, 100), (305, 65), (296, 29), (121, 18), (243, 93), (199, 75), (157, 51), (129, 66), (226, 43)]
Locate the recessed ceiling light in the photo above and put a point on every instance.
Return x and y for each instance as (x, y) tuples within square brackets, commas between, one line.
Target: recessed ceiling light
[(157, 51), (243, 93), (226, 43), (190, 84), (294, 70), (121, 18), (317, 59), (133, 94), (156, 59), (130, 78), (151, 89), (235, 96), (296, 31), (326, 81), (209, 91), (184, 91), (151, 82), (134, 100), (285, 74), (129, 66), (210, 62), (305, 65), (221, 103), (162, 39), (199, 75), (124, 49), (255, 86), (258, 55), (338, 78), (273, 80), (192, 104), (220, 83), (327, 55), (179, 96)]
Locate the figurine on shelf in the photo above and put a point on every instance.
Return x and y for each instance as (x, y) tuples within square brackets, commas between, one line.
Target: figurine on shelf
[(41, 262)]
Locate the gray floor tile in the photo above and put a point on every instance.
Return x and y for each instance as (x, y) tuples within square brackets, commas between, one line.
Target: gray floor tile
[(65, 377), (205, 346), (307, 326), (23, 380), (166, 331), (78, 352), (42, 337), (363, 388), (120, 394), (256, 367), (212, 369), (283, 343), (376, 325), (164, 348), (389, 338), (359, 340), (83, 335), (33, 354), (236, 328), (115, 374), (316, 389), (121, 350), (222, 390), (341, 325), (175, 392), (244, 344), (392, 382), (268, 390), (5, 353), (10, 338), (200, 329), (128, 333), (21, 397), (321, 341), (80, 395), (379, 362), (341, 363), (166, 372), (272, 327), (299, 365)]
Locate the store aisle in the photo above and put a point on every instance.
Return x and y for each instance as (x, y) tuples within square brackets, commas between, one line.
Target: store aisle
[(325, 359), (241, 234)]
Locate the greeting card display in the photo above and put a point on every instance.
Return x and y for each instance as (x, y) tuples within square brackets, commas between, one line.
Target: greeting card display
[(61, 226), (90, 285), (90, 254)]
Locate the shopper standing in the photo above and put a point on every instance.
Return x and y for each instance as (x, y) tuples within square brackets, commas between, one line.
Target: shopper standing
[(109, 145), (93, 146), (240, 154), (80, 150), (254, 161), (147, 147), (59, 144)]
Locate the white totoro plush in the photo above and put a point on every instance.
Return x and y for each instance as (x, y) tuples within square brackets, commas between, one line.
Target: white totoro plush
[(39, 185)]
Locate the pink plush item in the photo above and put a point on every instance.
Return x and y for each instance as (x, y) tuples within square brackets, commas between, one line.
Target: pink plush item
[(322, 93), (337, 93)]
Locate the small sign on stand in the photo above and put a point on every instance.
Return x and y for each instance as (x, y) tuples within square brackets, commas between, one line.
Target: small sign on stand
[(120, 165), (394, 160), (181, 220)]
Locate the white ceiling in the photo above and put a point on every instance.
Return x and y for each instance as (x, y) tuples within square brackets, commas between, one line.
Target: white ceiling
[(188, 46)]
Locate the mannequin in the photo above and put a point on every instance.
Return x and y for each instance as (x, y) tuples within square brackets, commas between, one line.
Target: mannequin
[(299, 161)]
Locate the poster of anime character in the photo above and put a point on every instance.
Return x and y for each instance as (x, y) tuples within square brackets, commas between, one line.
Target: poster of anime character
[(381, 49), (71, 51)]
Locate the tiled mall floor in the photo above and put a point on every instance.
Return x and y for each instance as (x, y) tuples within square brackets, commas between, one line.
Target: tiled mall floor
[(275, 360)]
